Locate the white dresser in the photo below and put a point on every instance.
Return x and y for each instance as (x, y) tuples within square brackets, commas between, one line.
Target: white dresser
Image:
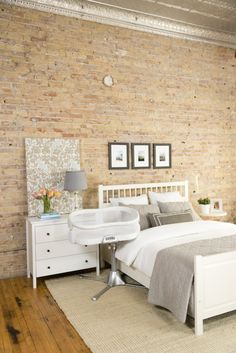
[(49, 250)]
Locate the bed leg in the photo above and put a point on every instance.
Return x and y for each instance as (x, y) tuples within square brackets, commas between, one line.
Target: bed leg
[(198, 294), (198, 326)]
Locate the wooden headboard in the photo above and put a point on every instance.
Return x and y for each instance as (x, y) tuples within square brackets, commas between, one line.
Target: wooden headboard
[(105, 192)]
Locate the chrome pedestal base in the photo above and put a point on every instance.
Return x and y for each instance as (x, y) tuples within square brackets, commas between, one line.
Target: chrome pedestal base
[(114, 280), (114, 277)]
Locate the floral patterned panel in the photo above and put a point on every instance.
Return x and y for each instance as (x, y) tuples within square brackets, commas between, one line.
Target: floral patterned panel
[(46, 163)]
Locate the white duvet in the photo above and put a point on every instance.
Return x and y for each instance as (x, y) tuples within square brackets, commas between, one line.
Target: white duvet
[(141, 252)]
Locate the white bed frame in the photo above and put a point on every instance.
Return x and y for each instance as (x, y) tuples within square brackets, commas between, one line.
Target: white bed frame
[(214, 275)]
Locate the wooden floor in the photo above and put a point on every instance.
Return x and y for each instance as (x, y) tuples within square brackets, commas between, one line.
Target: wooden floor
[(31, 321)]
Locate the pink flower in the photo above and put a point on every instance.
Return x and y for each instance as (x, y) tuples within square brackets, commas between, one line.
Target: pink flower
[(43, 191)]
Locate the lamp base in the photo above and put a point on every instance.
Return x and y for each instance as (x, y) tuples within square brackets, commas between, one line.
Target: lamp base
[(77, 203)]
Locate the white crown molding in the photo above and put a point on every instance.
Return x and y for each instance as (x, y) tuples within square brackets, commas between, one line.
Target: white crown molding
[(123, 18)]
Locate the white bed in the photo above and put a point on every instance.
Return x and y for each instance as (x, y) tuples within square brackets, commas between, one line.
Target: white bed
[(214, 287)]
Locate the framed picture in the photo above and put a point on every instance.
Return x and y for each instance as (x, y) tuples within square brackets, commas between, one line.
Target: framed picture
[(141, 157), (118, 154), (216, 205), (162, 155)]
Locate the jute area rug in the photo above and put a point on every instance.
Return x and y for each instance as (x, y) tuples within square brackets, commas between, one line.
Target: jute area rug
[(122, 321)]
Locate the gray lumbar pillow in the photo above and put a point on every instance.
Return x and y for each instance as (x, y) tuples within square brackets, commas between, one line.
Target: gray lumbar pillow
[(143, 211), (177, 207), (158, 219)]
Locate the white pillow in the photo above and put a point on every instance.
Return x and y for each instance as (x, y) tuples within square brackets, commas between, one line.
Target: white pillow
[(135, 200), (156, 197)]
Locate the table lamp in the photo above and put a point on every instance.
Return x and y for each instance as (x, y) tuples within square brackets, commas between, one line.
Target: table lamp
[(75, 181)]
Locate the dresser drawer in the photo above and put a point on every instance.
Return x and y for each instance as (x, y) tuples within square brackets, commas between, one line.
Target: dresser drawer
[(65, 264), (52, 232), (61, 248), (50, 251)]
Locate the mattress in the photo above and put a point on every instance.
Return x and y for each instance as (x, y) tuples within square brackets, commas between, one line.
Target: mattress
[(141, 252)]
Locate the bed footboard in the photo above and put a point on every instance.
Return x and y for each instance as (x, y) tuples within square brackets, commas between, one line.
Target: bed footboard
[(214, 286)]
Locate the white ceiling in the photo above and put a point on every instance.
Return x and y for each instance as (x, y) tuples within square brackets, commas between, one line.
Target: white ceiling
[(212, 21), (216, 15)]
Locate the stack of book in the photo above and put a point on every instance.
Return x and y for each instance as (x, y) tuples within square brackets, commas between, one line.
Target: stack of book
[(51, 215)]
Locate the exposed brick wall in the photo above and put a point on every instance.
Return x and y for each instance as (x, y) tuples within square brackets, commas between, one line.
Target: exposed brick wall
[(166, 90)]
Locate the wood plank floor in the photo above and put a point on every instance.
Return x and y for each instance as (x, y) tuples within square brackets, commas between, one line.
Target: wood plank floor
[(32, 322)]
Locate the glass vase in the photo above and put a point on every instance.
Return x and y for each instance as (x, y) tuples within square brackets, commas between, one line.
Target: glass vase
[(47, 205)]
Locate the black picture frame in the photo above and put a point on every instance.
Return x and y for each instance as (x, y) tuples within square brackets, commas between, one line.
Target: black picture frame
[(141, 155), (162, 155), (118, 158)]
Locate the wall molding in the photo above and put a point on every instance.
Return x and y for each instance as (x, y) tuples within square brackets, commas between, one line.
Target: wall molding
[(128, 19)]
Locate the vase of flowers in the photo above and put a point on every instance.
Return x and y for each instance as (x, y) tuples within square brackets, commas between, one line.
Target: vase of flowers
[(46, 196)]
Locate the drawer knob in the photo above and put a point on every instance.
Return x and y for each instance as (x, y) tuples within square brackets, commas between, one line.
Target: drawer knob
[(48, 267), (48, 233), (48, 250), (86, 246), (86, 260)]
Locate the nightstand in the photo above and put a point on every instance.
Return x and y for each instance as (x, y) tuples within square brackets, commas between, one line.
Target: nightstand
[(49, 250), (213, 215)]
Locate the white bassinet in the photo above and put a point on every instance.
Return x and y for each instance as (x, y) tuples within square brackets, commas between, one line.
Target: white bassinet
[(105, 225)]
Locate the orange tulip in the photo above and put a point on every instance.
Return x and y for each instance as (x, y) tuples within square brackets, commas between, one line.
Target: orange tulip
[(57, 193), (50, 194)]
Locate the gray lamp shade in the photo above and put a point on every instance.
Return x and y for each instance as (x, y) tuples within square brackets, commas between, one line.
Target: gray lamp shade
[(75, 180)]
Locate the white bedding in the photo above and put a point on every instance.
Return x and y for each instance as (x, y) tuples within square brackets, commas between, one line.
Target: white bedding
[(141, 252)]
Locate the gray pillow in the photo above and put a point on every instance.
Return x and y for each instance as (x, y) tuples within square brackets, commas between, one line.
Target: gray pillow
[(178, 207), (158, 219), (143, 211)]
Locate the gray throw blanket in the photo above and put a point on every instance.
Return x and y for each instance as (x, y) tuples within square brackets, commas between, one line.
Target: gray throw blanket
[(172, 275)]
